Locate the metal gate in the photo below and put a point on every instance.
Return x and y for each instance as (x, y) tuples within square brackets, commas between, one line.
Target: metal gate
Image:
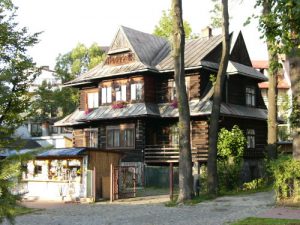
[(123, 182)]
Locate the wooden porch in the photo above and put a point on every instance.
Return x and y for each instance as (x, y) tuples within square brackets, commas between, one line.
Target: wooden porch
[(170, 154)]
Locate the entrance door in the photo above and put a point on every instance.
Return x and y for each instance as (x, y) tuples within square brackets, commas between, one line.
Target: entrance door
[(124, 182)]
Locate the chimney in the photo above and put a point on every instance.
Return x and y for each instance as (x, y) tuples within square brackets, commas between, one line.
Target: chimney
[(206, 32)]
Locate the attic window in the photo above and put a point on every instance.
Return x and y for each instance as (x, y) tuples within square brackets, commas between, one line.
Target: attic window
[(250, 96)]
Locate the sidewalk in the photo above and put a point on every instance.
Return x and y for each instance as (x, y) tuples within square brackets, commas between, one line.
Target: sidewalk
[(281, 213)]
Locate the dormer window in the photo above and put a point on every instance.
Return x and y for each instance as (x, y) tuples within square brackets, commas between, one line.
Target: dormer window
[(136, 91), (93, 100), (250, 96), (106, 95), (120, 93)]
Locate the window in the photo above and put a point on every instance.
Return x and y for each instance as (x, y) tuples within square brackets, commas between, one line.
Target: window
[(250, 138), (106, 95), (120, 136), (136, 91), (120, 93), (174, 135), (35, 129), (172, 90), (91, 137), (93, 100), (250, 96)]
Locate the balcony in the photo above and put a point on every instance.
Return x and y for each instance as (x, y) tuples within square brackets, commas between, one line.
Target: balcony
[(155, 154)]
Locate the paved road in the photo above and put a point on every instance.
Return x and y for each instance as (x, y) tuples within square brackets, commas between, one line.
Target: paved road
[(219, 211)]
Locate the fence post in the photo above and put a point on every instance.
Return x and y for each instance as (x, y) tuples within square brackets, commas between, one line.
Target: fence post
[(111, 183), (171, 181), (94, 183)]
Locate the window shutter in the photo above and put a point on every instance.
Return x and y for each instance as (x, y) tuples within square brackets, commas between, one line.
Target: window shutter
[(103, 95), (96, 100), (133, 91), (123, 91), (108, 100), (90, 100)]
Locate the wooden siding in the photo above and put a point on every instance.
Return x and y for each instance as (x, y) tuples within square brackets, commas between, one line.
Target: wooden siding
[(83, 105), (149, 89), (101, 161), (160, 149), (199, 140), (237, 91), (194, 86), (78, 138), (260, 128)]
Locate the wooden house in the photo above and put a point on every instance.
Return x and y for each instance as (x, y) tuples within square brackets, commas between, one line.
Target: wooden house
[(128, 102)]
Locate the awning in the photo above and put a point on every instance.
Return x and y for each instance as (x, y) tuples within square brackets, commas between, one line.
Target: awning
[(55, 152)]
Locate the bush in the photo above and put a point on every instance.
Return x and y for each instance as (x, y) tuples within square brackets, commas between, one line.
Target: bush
[(231, 145), (286, 174)]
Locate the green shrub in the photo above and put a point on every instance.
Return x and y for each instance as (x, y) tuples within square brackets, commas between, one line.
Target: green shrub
[(231, 145), (286, 174), (254, 184)]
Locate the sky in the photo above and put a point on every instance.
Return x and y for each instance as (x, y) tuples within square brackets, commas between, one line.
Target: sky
[(65, 23)]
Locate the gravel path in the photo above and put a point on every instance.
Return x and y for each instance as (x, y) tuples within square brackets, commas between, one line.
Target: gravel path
[(219, 211)]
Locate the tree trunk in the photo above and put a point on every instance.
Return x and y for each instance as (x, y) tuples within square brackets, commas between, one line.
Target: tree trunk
[(212, 175), (185, 157), (272, 92), (294, 62)]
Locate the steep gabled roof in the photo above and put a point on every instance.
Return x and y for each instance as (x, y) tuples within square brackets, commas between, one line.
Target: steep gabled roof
[(195, 51), (145, 46), (151, 53)]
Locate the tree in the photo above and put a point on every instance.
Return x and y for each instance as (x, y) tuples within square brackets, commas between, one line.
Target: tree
[(54, 102), (17, 70), (280, 24), (165, 26), (185, 156), (212, 179), (78, 60), (272, 90)]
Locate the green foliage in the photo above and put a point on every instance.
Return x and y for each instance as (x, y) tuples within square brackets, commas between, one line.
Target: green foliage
[(254, 184), (165, 26), (16, 70), (68, 66), (229, 175), (266, 221), (295, 115), (231, 143), (78, 60), (216, 14), (286, 173), (53, 102)]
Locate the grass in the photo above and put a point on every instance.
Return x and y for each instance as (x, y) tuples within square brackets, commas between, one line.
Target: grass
[(205, 197), (266, 221), (245, 192), (21, 210)]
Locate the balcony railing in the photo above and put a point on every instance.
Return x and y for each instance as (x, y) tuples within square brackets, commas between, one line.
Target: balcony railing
[(170, 154)]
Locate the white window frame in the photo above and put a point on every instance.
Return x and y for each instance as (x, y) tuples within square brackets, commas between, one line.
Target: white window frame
[(106, 95), (136, 91), (121, 92), (93, 100)]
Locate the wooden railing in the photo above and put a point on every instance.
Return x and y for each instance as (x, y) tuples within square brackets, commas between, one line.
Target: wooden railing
[(170, 154)]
